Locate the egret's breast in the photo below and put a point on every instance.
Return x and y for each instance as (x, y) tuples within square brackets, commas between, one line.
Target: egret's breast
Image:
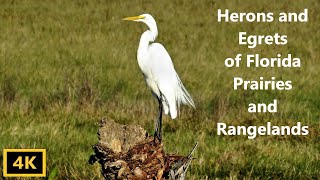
[(144, 62)]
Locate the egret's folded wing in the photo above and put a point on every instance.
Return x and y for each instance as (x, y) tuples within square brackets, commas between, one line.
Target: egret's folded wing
[(167, 79), (164, 74)]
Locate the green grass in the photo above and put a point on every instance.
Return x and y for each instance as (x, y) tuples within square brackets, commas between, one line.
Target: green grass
[(66, 64)]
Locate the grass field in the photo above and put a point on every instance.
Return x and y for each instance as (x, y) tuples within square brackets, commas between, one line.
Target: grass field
[(66, 64)]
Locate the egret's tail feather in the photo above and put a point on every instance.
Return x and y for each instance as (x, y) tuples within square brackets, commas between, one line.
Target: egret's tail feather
[(165, 107), (173, 112), (182, 95)]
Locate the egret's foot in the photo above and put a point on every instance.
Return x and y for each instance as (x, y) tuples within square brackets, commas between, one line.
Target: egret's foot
[(157, 136)]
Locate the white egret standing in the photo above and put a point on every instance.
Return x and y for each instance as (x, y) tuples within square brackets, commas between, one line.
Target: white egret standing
[(159, 73)]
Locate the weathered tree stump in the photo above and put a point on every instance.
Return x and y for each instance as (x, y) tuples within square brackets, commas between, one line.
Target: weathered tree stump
[(128, 152)]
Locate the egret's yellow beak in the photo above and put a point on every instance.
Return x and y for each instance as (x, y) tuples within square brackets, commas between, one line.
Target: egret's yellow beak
[(134, 18)]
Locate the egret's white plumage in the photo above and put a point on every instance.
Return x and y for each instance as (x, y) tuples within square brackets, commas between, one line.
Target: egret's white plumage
[(157, 67)]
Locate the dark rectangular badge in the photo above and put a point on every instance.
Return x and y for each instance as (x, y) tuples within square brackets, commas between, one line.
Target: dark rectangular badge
[(24, 162)]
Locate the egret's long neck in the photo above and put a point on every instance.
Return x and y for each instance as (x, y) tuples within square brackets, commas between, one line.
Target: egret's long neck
[(147, 37), (145, 40)]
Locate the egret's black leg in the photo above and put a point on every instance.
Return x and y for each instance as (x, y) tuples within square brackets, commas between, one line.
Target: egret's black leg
[(158, 130)]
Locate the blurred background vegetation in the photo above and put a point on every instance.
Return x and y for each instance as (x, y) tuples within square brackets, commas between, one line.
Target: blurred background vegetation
[(66, 64)]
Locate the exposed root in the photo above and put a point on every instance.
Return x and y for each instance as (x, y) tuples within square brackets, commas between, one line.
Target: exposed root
[(124, 157)]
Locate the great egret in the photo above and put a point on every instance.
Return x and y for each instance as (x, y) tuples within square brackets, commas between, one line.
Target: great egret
[(159, 73)]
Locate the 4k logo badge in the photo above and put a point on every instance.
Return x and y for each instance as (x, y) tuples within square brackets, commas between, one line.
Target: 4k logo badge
[(24, 162)]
